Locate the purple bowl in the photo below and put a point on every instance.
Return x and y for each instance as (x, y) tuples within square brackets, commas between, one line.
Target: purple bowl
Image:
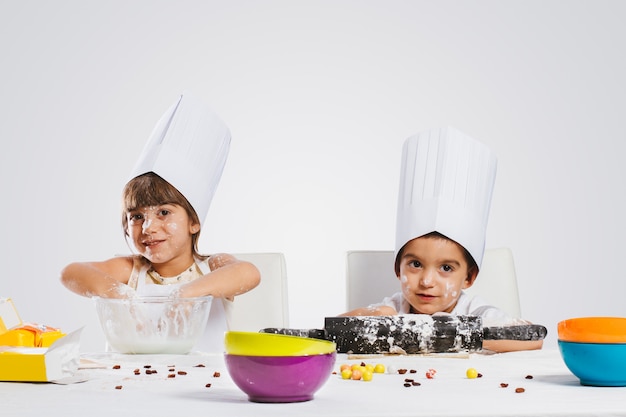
[(280, 379)]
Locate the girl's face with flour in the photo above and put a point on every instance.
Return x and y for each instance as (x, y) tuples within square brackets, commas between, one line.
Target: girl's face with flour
[(160, 223), (162, 233), (432, 271)]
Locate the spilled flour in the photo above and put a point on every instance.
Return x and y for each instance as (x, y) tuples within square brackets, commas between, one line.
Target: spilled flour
[(407, 333)]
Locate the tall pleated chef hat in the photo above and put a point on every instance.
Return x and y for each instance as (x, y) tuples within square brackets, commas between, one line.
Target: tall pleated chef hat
[(188, 148), (446, 183)]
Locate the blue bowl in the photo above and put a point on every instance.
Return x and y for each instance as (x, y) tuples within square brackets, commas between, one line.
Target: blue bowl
[(596, 364)]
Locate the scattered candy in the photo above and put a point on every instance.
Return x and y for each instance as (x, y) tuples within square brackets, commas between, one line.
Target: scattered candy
[(379, 368), (408, 382), (118, 387), (529, 377), (361, 371), (504, 384), (116, 366), (471, 373), (519, 390), (430, 374)]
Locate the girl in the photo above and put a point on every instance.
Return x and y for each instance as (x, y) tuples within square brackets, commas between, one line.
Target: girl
[(164, 229), (164, 206)]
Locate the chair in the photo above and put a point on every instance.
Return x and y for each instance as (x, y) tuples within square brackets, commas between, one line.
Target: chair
[(267, 304), (370, 277)]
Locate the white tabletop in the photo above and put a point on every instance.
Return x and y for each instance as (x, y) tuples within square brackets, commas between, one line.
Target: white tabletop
[(552, 391)]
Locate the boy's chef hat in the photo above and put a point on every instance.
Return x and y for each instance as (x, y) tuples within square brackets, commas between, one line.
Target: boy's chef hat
[(446, 182), (188, 148)]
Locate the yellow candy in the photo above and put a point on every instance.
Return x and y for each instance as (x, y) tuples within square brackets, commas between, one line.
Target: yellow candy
[(471, 373), (367, 375), (379, 368), (346, 373)]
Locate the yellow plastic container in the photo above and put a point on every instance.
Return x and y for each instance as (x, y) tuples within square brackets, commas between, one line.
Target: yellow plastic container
[(41, 364)]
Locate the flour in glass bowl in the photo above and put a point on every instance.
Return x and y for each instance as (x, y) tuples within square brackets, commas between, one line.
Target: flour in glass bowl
[(153, 324)]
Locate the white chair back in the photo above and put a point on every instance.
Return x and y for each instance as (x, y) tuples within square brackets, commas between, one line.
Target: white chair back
[(267, 304), (370, 277)]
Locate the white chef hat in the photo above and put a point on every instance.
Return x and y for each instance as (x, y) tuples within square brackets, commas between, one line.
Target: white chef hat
[(446, 182), (188, 148)]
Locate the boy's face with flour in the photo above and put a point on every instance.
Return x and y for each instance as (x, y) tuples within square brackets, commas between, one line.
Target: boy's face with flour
[(432, 271)]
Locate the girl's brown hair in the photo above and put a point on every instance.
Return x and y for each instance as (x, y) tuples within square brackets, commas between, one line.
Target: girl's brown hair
[(149, 189)]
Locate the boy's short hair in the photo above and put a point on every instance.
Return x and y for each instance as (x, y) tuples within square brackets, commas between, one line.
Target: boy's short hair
[(471, 263)]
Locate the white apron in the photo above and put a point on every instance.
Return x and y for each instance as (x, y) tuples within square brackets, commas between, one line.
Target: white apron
[(212, 340)]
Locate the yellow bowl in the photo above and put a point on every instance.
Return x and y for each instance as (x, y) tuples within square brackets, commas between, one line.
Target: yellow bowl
[(593, 330), (270, 344)]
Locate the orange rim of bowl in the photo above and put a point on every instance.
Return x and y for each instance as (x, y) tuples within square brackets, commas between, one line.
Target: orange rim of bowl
[(270, 344), (593, 330)]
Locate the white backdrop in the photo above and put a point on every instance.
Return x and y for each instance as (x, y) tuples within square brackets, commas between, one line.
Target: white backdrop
[(319, 97)]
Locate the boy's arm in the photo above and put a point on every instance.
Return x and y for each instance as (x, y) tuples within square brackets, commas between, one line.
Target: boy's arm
[(372, 311), (501, 346), (105, 279), (228, 277)]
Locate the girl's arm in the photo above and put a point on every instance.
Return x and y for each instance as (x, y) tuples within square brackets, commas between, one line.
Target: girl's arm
[(228, 277), (105, 279)]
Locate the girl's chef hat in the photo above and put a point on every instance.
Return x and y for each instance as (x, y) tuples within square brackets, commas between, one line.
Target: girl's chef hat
[(446, 182), (188, 148)]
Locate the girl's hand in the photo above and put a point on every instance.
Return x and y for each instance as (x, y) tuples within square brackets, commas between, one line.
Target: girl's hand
[(219, 260)]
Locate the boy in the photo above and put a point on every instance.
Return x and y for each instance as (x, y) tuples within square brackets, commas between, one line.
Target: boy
[(446, 185)]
